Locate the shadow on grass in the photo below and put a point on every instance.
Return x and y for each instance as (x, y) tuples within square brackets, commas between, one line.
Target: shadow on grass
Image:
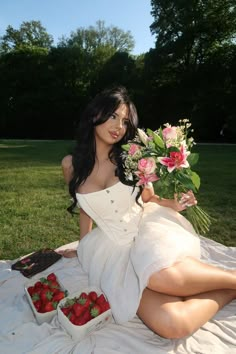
[(34, 152)]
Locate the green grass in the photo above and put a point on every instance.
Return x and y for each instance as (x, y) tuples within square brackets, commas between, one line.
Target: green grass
[(34, 198), (217, 168)]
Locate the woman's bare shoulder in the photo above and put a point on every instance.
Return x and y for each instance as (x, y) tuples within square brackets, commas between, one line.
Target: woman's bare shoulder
[(66, 161), (67, 168)]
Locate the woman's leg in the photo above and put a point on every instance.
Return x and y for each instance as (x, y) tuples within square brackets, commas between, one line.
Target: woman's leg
[(190, 277), (176, 317)]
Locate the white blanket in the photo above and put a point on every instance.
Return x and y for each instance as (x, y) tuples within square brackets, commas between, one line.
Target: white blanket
[(20, 333)]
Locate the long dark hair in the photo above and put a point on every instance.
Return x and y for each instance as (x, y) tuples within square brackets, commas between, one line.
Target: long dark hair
[(98, 111)]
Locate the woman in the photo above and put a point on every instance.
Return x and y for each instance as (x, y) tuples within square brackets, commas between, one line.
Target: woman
[(143, 254)]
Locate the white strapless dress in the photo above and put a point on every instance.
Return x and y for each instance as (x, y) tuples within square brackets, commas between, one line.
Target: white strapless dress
[(129, 243)]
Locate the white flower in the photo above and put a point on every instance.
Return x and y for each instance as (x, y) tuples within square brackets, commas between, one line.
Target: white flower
[(143, 137)]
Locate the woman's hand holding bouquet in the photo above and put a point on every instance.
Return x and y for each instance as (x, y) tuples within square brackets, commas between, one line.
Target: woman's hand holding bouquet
[(164, 157)]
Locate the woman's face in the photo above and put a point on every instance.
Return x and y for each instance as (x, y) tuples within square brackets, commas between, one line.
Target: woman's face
[(114, 129)]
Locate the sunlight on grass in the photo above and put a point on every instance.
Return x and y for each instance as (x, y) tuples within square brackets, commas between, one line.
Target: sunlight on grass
[(4, 146)]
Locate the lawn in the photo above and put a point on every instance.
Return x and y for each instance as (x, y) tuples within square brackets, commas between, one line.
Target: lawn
[(34, 198)]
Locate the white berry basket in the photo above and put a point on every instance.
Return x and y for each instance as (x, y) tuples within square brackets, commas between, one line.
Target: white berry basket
[(80, 332), (40, 317)]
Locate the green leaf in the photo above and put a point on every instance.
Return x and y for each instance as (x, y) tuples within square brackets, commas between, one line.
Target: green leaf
[(195, 179), (193, 159), (43, 280), (186, 181), (126, 147), (160, 133), (173, 148), (158, 141), (156, 138), (165, 187), (150, 132), (151, 145)]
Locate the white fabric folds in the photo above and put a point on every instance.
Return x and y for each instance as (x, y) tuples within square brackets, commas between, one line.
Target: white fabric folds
[(19, 332)]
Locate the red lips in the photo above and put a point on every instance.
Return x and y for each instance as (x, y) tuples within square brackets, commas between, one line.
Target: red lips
[(114, 135)]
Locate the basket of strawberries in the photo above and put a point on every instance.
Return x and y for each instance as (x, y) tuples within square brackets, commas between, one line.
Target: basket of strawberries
[(84, 312), (44, 294)]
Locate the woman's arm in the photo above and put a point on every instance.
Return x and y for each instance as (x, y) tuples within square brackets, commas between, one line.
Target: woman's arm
[(187, 199), (86, 223), (67, 168)]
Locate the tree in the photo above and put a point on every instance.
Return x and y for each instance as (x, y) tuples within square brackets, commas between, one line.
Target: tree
[(30, 34), (190, 30), (21, 89), (186, 73), (98, 36), (98, 44), (118, 70)]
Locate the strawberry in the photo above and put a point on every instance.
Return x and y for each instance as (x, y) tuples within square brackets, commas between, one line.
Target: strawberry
[(66, 310), (51, 277), (78, 309), (46, 295), (95, 310), (87, 315), (38, 285), (30, 290), (88, 303), (54, 284), (54, 290), (37, 305), (58, 296), (84, 300), (83, 296), (79, 321), (93, 296), (45, 285), (49, 306), (105, 306), (101, 300), (72, 317)]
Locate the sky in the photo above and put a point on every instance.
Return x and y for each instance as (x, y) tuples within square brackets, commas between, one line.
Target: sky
[(60, 17)]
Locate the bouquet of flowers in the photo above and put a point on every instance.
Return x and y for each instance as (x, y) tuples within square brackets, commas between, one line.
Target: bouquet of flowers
[(164, 158)]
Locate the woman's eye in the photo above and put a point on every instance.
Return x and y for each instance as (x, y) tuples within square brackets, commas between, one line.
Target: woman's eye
[(113, 116)]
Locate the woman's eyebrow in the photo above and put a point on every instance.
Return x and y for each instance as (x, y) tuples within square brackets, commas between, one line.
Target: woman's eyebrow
[(117, 115)]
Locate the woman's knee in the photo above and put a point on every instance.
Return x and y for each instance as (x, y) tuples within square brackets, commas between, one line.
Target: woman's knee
[(177, 324), (165, 315), (167, 280)]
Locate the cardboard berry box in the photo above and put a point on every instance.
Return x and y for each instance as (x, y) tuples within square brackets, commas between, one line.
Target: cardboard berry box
[(79, 331), (42, 316)]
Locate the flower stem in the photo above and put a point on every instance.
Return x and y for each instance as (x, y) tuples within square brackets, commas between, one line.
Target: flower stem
[(200, 220)]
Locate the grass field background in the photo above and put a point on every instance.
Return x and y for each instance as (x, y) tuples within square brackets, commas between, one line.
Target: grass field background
[(34, 197)]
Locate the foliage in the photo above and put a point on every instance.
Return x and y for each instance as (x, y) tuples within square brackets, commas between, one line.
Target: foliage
[(43, 89), (189, 31), (100, 36), (192, 66), (31, 34)]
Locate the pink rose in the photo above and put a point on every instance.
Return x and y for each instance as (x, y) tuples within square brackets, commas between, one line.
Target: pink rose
[(147, 165), (133, 149), (169, 133)]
